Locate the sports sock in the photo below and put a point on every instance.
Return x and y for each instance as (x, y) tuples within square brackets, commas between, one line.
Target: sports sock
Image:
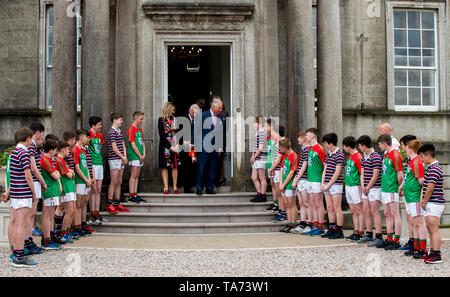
[(423, 245), (416, 244), (321, 226), (379, 235), (369, 234), (389, 237), (316, 224), (397, 238), (19, 254)]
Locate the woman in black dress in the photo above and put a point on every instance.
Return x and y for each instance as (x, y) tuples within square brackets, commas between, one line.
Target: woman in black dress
[(168, 147)]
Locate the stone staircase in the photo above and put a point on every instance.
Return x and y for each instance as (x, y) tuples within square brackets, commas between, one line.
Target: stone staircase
[(191, 214)]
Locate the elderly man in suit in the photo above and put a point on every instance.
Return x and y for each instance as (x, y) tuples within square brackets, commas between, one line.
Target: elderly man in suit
[(189, 164), (208, 144)]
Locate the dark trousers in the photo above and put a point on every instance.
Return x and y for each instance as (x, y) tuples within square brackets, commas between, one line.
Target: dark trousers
[(206, 170), (189, 171)]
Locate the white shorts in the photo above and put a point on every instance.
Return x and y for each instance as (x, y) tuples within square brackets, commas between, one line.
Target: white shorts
[(135, 163), (115, 165), (374, 195), (288, 193), (21, 203), (434, 209), (335, 189), (68, 197), (276, 178), (51, 201), (261, 164), (314, 188), (82, 189), (414, 209), (98, 170), (353, 194), (389, 197), (302, 185), (38, 189)]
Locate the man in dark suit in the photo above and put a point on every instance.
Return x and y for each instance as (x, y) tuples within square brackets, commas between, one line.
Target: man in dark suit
[(189, 164), (208, 144)]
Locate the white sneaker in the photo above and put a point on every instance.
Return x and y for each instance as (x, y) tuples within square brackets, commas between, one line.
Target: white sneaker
[(306, 230), (297, 230)]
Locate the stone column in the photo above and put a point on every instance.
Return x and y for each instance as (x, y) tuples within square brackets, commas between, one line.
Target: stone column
[(300, 67), (64, 74), (96, 90), (329, 75)]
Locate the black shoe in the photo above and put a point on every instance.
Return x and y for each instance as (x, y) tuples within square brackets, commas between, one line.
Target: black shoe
[(286, 229), (419, 254), (211, 192), (261, 198), (272, 208), (393, 246), (410, 252), (383, 244), (328, 234), (199, 193), (255, 198)]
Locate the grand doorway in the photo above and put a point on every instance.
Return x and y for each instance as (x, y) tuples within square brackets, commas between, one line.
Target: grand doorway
[(195, 73)]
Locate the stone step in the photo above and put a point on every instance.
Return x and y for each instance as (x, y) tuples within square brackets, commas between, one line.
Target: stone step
[(192, 198), (196, 207), (188, 228), (216, 217)]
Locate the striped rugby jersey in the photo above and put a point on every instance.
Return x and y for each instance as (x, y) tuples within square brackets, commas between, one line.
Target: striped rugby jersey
[(277, 153), (88, 159), (19, 162), (304, 158), (37, 153), (70, 161), (369, 163), (434, 175), (333, 160), (117, 137), (261, 138)]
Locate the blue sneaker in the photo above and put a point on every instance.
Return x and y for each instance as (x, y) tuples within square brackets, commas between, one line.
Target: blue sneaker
[(51, 246), (406, 247), (141, 200), (134, 199), (66, 239), (316, 231), (36, 232), (33, 249), (74, 236)]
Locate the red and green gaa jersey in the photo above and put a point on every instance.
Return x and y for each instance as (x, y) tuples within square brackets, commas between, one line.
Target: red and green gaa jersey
[(392, 163), (68, 184), (79, 156), (47, 169), (135, 135), (271, 151), (353, 170), (412, 188), (316, 160), (289, 163), (95, 147)]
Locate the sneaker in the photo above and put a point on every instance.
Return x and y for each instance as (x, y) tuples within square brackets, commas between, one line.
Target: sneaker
[(74, 235), (112, 210), (351, 237), (297, 230), (51, 246), (141, 200), (255, 198), (134, 199), (336, 235), (316, 232), (57, 239), (88, 230), (260, 198), (433, 258), (409, 252), (307, 230), (328, 234), (94, 221), (33, 249), (393, 246), (375, 242), (272, 208), (24, 263), (66, 238), (286, 229), (420, 255), (37, 232), (365, 239), (102, 219), (82, 233), (120, 208), (278, 219), (406, 247)]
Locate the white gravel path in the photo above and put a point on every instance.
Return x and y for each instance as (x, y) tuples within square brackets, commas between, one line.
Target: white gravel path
[(341, 260)]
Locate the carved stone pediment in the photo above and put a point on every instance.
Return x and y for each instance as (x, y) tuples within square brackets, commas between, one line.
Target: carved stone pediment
[(198, 17)]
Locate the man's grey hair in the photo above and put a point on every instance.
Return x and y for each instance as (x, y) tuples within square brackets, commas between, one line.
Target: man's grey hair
[(194, 106), (215, 103)]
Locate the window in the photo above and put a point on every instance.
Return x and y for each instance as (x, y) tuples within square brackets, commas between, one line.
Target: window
[(49, 56), (415, 60)]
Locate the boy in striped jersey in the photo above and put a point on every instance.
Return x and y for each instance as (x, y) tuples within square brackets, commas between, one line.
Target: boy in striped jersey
[(391, 178), (316, 160), (412, 189), (332, 186), (288, 168), (258, 161), (51, 196), (432, 201), (117, 159), (22, 196), (95, 148), (136, 153), (301, 184), (84, 227), (353, 191), (371, 166)]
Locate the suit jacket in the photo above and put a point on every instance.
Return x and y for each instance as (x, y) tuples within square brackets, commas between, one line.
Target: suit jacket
[(205, 128)]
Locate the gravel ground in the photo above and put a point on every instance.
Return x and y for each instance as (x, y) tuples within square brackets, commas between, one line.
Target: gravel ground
[(341, 260)]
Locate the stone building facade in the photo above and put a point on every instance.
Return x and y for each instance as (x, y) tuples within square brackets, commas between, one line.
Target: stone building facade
[(344, 66)]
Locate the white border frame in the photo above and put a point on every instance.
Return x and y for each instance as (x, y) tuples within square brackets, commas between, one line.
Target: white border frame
[(441, 57)]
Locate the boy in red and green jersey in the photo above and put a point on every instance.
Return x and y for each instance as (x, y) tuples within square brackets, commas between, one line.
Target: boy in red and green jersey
[(136, 154), (391, 178), (95, 148)]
